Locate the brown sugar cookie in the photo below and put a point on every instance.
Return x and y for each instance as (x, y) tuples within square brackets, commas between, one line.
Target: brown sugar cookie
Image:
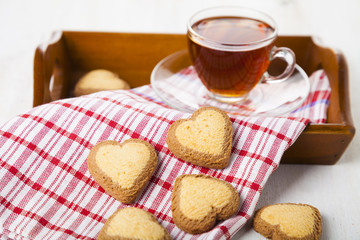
[(288, 221), (198, 201), (123, 169), (205, 139), (99, 80), (132, 224)]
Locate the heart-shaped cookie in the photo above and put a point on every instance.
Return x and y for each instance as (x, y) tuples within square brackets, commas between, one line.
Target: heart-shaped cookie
[(99, 80), (288, 221), (123, 169), (205, 139), (132, 224), (198, 201)]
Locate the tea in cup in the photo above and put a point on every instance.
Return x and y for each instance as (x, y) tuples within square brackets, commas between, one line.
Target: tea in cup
[(231, 49)]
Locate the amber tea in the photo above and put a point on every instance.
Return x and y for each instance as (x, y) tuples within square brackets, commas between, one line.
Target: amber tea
[(230, 73), (231, 53)]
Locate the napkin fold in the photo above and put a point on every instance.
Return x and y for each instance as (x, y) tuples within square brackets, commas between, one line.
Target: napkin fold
[(46, 191)]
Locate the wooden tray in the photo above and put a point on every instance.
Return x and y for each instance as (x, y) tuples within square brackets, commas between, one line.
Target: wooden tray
[(59, 63)]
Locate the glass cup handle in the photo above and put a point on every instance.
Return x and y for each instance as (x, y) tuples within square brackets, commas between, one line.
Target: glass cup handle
[(289, 57)]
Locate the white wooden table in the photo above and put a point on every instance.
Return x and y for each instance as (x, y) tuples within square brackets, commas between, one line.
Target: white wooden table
[(334, 190)]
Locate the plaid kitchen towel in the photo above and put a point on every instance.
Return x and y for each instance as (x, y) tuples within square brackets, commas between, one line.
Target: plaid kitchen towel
[(46, 191)]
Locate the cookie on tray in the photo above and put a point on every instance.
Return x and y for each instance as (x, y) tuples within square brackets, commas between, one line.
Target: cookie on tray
[(132, 224), (199, 201), (99, 80), (288, 221), (122, 170), (205, 139)]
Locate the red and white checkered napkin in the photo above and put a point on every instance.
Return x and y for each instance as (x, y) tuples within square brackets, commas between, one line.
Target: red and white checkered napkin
[(46, 191)]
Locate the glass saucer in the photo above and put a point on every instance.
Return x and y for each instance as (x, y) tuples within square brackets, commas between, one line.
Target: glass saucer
[(175, 81)]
